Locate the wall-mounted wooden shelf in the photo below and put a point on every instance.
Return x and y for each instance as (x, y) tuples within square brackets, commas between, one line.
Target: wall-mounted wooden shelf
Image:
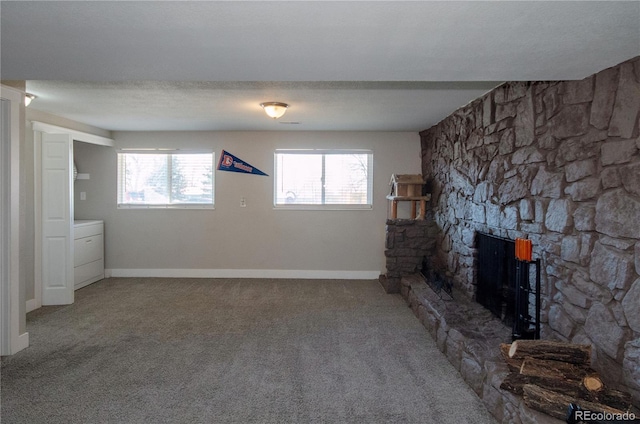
[(414, 200), (408, 188)]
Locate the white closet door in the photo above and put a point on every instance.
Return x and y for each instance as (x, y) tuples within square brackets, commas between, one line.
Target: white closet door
[(57, 219)]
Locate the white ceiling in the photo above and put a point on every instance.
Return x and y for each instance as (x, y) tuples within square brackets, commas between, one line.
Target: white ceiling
[(359, 65)]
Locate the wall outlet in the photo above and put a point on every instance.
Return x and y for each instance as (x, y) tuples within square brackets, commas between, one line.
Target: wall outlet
[(243, 202), (83, 195)]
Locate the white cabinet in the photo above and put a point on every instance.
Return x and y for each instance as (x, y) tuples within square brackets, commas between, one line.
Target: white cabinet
[(88, 253)]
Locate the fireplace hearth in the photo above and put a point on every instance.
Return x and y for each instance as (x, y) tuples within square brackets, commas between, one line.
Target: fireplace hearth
[(440, 284)]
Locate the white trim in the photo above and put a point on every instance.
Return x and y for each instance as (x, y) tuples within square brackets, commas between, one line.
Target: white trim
[(37, 205), (325, 207), (14, 235), (76, 135), (21, 342), (11, 309), (173, 206), (159, 151), (245, 273), (32, 305), (325, 151), (6, 222)]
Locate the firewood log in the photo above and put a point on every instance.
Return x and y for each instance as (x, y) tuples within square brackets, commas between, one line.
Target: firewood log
[(543, 368), (594, 390), (513, 364), (573, 380), (555, 404), (551, 350), (592, 383), (562, 377), (514, 383)]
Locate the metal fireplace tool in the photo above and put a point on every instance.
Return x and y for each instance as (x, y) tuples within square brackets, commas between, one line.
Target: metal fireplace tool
[(524, 325)]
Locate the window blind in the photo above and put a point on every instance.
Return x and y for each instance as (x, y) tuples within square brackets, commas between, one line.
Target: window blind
[(339, 178), (165, 178)]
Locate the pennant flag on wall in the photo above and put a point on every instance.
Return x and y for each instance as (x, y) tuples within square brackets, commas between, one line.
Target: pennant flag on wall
[(231, 163)]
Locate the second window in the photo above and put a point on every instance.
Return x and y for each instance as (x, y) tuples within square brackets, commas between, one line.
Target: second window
[(323, 178)]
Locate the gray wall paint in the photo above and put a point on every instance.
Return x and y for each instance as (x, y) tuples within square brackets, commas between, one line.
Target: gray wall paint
[(255, 237)]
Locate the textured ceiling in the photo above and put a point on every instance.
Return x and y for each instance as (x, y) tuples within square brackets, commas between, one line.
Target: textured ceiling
[(315, 106), (385, 65)]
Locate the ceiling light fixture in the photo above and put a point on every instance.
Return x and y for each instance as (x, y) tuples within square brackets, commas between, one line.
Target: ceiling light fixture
[(275, 110), (28, 98)]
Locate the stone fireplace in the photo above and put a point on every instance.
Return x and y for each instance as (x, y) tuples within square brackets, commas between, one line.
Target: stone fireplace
[(558, 163)]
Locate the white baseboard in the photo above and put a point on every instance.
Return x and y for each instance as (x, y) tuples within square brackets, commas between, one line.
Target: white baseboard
[(245, 273), (21, 342), (32, 305)]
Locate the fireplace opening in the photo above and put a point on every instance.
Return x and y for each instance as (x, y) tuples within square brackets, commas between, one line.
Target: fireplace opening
[(503, 285)]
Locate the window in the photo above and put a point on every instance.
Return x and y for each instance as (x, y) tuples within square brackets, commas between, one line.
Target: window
[(170, 179), (334, 179)]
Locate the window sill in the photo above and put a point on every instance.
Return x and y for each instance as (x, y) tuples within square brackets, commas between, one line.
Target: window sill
[(211, 207), (324, 207)]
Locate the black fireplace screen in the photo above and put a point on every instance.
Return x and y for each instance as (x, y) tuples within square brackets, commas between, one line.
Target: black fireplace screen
[(496, 275), (503, 286)]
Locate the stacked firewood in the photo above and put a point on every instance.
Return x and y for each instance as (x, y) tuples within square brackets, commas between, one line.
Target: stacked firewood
[(551, 375)]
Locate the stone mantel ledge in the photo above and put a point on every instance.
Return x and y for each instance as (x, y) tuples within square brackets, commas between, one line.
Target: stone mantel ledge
[(470, 337)]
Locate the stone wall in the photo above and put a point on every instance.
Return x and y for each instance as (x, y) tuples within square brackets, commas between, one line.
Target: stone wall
[(559, 163), (407, 242)]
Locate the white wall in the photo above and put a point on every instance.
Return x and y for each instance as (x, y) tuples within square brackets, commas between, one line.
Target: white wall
[(141, 242)]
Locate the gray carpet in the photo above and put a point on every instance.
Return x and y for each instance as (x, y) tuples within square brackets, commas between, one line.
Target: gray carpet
[(133, 350)]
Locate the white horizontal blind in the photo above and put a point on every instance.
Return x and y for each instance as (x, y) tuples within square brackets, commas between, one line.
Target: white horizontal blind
[(330, 178), (165, 179)]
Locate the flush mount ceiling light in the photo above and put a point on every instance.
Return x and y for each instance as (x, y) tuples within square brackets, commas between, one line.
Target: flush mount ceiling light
[(27, 98), (275, 110)]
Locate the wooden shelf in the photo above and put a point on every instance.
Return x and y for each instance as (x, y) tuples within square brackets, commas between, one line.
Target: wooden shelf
[(413, 199), (407, 198)]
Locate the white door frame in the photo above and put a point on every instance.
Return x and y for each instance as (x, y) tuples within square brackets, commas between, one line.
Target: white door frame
[(37, 224), (11, 340)]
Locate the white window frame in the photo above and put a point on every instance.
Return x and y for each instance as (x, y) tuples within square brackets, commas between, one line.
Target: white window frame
[(329, 206), (119, 183)]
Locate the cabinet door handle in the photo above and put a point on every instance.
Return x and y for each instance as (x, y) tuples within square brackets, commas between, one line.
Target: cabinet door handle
[(88, 240)]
